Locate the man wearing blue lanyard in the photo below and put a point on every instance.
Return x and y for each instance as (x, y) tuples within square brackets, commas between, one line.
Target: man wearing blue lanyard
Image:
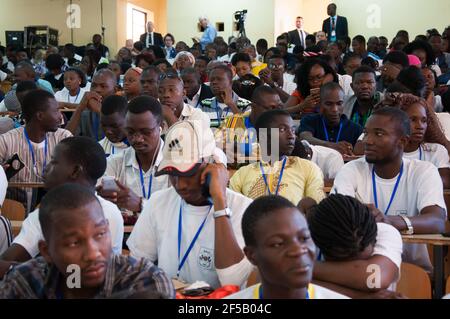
[(193, 228), (331, 128), (408, 194), (35, 142), (85, 121), (225, 101), (134, 168), (277, 172)]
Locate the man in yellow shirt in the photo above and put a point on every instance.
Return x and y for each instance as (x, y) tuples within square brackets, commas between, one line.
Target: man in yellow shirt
[(278, 173)]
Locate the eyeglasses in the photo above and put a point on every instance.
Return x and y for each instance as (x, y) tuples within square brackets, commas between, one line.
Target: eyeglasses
[(169, 75), (275, 66)]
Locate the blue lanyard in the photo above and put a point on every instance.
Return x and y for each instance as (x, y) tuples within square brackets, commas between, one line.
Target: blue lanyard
[(279, 179), (186, 254), (143, 182), (420, 153), (374, 185), (95, 124), (260, 294), (219, 118), (326, 131), (32, 151), (68, 96)]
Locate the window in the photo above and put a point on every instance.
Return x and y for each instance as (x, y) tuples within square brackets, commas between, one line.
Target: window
[(138, 21)]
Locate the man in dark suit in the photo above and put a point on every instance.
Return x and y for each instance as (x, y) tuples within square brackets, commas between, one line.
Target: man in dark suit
[(335, 26), (298, 36), (151, 38)]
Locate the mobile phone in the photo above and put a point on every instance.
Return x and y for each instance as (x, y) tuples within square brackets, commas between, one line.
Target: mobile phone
[(315, 91), (15, 165), (205, 188), (109, 184)]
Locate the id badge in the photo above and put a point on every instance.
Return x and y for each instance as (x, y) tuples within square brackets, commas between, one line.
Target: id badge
[(333, 33)]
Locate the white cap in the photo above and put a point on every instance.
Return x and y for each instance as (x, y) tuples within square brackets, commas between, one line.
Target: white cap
[(186, 146)]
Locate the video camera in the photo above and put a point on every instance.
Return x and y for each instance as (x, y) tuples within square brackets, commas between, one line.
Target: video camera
[(240, 15)]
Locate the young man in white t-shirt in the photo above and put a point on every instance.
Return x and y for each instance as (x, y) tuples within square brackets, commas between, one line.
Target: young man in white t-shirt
[(417, 149), (351, 244), (112, 119), (278, 242), (407, 194), (78, 160), (193, 228)]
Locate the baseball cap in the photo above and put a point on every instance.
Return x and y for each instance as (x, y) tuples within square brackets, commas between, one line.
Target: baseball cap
[(186, 146)]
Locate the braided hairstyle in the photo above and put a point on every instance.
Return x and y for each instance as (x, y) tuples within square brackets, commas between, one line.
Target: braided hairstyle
[(342, 227)]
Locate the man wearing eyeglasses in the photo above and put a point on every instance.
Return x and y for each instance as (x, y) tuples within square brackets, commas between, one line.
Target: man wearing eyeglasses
[(134, 168), (276, 77)]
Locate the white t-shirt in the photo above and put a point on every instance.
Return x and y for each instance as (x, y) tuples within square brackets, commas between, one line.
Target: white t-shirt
[(111, 148), (155, 236), (64, 96), (389, 244), (314, 291), (329, 160), (31, 232), (436, 154), (420, 187)]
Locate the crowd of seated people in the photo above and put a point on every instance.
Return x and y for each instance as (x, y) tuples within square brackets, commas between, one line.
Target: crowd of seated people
[(218, 154)]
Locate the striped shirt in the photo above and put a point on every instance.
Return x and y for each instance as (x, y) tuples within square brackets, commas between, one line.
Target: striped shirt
[(6, 236), (217, 111), (14, 142), (126, 277)]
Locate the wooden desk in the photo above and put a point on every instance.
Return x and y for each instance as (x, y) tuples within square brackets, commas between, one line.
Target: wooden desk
[(438, 242), (16, 226), (26, 185)]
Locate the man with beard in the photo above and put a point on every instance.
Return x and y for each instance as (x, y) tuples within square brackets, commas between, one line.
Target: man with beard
[(407, 194)]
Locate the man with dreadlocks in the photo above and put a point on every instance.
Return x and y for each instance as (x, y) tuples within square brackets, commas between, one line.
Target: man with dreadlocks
[(408, 194), (351, 242)]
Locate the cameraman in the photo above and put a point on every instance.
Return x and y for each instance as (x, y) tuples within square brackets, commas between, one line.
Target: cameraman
[(208, 35)]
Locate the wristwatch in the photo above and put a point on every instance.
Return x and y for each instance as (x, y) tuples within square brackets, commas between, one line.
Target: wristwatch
[(224, 212), (408, 223)]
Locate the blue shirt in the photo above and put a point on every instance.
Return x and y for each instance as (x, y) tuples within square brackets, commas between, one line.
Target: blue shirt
[(313, 123), (209, 35)]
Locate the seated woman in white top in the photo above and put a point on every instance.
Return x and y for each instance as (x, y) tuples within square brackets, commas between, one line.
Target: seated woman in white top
[(278, 242), (417, 148), (74, 89)]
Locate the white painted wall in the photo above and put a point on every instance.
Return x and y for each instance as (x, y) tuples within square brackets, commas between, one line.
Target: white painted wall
[(415, 16), (182, 17)]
